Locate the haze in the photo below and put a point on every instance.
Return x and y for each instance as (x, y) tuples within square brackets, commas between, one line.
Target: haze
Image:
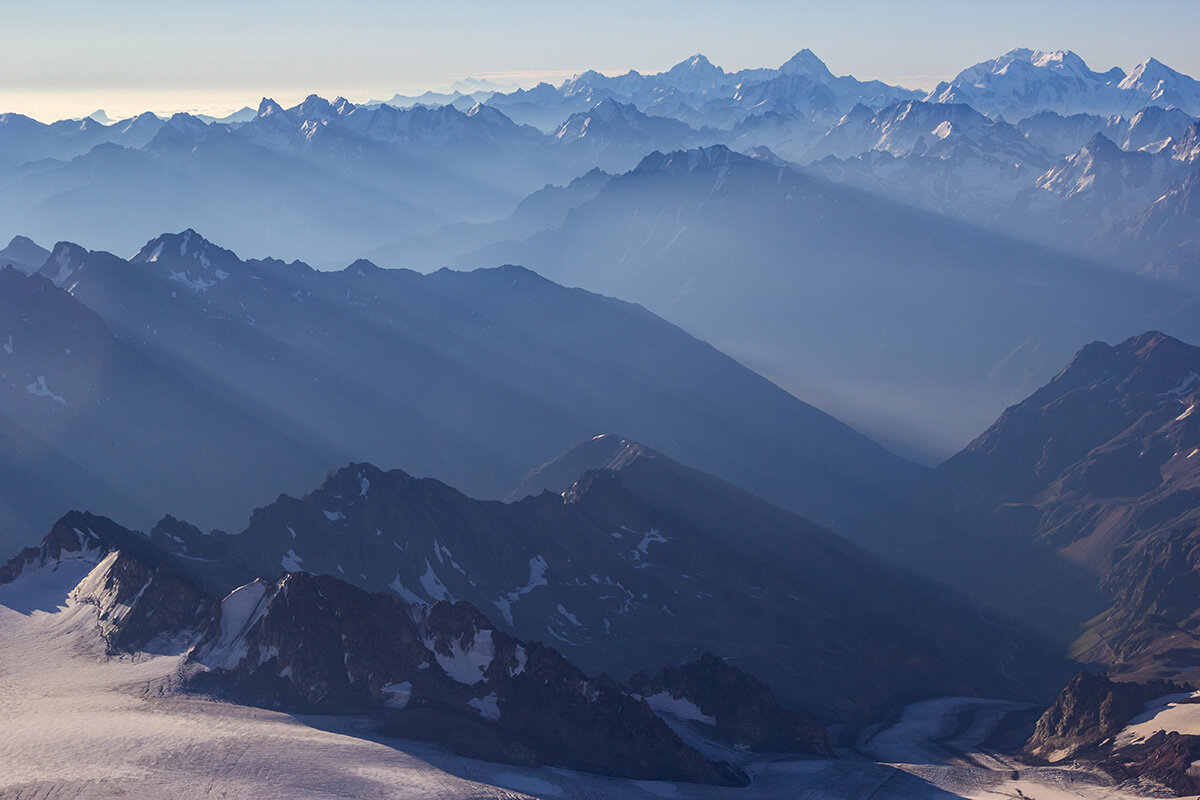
[(67, 59)]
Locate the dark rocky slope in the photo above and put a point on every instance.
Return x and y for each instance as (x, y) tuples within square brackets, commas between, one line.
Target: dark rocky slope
[(632, 567), (1078, 509)]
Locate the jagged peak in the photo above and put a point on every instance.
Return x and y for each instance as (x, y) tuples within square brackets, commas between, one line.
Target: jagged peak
[(1150, 342), (24, 253), (696, 63), (315, 106), (357, 480), (691, 160), (1150, 65), (144, 118), (268, 107), (765, 154), (1101, 144), (1151, 71), (65, 261), (1161, 359), (187, 244), (807, 64), (610, 107), (182, 119), (488, 114), (68, 248)]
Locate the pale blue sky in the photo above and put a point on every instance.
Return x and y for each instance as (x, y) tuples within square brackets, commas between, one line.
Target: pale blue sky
[(68, 57)]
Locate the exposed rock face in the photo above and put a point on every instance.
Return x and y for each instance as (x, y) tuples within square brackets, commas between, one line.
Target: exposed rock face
[(733, 706), (1084, 722), (138, 591), (1090, 710), (1166, 758), (1078, 509)]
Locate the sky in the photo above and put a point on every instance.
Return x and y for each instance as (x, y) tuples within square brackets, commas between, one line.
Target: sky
[(67, 58)]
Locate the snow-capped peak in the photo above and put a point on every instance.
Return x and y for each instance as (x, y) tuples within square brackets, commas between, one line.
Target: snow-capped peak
[(697, 63), (188, 258), (269, 107), (1065, 59), (316, 107), (806, 64)]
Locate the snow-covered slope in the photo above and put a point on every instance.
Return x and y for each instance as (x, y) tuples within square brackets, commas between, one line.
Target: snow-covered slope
[(76, 721)]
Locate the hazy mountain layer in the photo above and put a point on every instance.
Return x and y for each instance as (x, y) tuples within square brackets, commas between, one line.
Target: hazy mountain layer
[(191, 380)]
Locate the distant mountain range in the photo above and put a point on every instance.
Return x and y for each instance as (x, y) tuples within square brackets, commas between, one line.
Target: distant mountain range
[(346, 178), (1023, 82)]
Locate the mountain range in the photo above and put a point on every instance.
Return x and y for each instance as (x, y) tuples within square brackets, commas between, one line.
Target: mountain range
[(840, 296), (1023, 82), (612, 474), (261, 376), (346, 178), (638, 562)]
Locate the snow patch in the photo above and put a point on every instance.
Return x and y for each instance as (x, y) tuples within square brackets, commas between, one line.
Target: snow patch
[(195, 284), (466, 664), (522, 659), (291, 562), (1173, 712), (537, 577), (240, 610), (433, 585), (487, 706), (650, 537), (569, 616), (679, 707), (38, 389)]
